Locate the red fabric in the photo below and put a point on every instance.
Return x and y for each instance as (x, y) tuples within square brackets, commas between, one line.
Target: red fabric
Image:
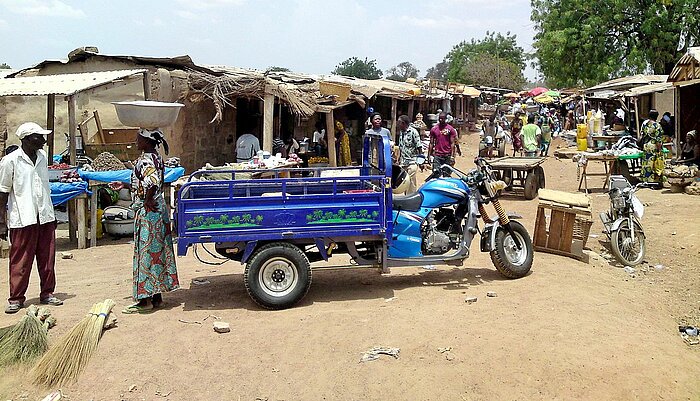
[(35, 241), (442, 139)]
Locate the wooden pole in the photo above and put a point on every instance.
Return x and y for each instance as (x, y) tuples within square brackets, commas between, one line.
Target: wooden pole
[(268, 123), (72, 129), (93, 218), (50, 113), (677, 117), (636, 117), (410, 109), (393, 118), (330, 134), (82, 221), (146, 86)]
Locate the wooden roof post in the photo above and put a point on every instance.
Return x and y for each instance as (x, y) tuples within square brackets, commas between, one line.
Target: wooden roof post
[(268, 118), (636, 117), (50, 113), (72, 129), (146, 85), (330, 135), (393, 118), (410, 109), (677, 117)]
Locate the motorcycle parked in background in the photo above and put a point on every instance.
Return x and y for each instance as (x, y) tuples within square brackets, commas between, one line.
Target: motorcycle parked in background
[(622, 222)]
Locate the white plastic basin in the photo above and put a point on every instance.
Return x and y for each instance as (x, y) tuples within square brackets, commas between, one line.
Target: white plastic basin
[(147, 113)]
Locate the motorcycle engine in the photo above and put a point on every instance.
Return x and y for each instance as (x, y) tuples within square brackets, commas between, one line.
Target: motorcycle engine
[(435, 232)]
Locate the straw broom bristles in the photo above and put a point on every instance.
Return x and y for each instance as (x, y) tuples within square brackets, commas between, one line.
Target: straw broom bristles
[(26, 340), (67, 359)]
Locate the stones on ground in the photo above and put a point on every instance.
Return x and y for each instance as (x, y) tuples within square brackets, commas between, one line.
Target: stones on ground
[(200, 281), (659, 267), (221, 327), (66, 255), (132, 388), (447, 351), (491, 294), (470, 300), (373, 354), (630, 270), (429, 267)]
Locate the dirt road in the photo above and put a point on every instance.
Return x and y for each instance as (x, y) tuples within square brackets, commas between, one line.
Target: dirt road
[(569, 330)]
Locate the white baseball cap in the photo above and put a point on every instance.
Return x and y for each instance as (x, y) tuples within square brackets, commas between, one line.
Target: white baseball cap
[(27, 129)]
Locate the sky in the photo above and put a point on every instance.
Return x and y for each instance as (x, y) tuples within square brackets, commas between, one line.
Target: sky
[(309, 36)]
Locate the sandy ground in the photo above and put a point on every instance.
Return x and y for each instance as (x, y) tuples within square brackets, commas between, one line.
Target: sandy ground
[(569, 330)]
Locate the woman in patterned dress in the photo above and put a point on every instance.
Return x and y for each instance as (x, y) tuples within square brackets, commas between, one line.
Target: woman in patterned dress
[(154, 259), (653, 162)]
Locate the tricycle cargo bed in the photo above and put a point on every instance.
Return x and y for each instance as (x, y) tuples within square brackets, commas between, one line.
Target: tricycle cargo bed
[(281, 209)]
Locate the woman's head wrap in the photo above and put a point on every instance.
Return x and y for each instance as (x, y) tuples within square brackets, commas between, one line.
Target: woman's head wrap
[(156, 136), (339, 126)]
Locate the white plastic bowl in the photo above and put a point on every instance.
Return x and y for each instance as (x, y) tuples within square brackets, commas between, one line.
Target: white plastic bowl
[(147, 113)]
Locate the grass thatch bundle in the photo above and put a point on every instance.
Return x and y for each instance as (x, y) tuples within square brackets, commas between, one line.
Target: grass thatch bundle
[(28, 339), (67, 359)]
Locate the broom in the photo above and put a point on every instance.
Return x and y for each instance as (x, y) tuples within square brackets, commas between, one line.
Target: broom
[(67, 359), (27, 339)]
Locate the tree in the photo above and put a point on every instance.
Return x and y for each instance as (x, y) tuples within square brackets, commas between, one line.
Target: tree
[(354, 67), (489, 70), (584, 42), (402, 71), (276, 69), (438, 72), (494, 44), (4, 66)]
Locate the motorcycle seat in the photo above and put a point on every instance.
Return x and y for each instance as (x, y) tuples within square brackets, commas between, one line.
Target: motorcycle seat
[(409, 203)]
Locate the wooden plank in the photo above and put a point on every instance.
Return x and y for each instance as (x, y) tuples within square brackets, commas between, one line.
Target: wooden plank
[(541, 227), (98, 123), (82, 221), (268, 117), (330, 134), (147, 86), (93, 218), (410, 110), (72, 129), (567, 232), (393, 118), (72, 221), (50, 115), (582, 257), (555, 226)]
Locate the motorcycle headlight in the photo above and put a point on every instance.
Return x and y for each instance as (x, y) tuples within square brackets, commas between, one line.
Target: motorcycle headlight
[(618, 202)]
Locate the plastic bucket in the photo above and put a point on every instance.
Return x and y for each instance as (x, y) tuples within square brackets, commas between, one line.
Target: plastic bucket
[(581, 131), (582, 144)]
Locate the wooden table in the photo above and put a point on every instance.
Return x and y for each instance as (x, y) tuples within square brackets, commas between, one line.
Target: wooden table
[(607, 161)]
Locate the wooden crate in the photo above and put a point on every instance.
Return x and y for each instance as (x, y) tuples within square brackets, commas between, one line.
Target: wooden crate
[(562, 227)]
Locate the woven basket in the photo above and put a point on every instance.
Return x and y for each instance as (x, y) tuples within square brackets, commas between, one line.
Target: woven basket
[(341, 91)]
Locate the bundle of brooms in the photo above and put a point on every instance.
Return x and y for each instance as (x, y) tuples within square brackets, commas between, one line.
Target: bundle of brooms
[(69, 356), (28, 339)]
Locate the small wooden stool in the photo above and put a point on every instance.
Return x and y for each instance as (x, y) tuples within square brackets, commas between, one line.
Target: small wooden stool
[(569, 218)]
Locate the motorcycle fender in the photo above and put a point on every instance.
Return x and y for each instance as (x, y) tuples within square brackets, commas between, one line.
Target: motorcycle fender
[(488, 237), (616, 225)]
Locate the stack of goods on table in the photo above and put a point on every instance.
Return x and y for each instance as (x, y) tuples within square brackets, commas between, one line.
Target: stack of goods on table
[(57, 171), (105, 161)]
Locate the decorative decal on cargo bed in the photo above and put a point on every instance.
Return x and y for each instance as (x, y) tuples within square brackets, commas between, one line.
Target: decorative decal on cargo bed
[(224, 221), (342, 216)]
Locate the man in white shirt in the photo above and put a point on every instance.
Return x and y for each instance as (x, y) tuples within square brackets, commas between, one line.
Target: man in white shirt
[(24, 181)]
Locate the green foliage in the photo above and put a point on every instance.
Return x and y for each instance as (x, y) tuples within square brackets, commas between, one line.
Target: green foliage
[(581, 43), (276, 69), (4, 66), (494, 44), (354, 67), (489, 70), (402, 71)]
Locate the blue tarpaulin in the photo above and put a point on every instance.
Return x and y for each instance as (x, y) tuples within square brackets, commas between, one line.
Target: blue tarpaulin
[(62, 192), (171, 174)]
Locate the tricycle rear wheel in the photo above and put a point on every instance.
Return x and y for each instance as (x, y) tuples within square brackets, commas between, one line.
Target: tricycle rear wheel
[(278, 275)]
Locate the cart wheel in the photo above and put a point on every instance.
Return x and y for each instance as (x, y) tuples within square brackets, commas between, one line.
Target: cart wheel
[(539, 172), (530, 185), (278, 275), (502, 148), (507, 177)]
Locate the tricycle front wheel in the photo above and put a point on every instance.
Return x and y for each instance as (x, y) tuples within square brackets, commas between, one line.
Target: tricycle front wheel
[(278, 275), (510, 260)]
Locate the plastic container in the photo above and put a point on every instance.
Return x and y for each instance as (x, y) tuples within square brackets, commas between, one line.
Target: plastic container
[(147, 113), (581, 131), (582, 144)]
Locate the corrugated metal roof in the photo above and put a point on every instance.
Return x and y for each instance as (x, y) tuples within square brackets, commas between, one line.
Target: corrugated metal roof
[(627, 82), (646, 89), (63, 84)]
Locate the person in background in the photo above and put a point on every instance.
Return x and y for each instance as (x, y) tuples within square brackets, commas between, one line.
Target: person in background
[(410, 146), (342, 144), (24, 182), (690, 152), (570, 123), (247, 146), (515, 127), (291, 146), (154, 269), (531, 136), (319, 140), (419, 124), (667, 125), (376, 120), (443, 138), (546, 124), (652, 139)]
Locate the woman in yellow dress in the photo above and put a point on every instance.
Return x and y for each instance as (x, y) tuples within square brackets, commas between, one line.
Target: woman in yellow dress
[(342, 145)]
